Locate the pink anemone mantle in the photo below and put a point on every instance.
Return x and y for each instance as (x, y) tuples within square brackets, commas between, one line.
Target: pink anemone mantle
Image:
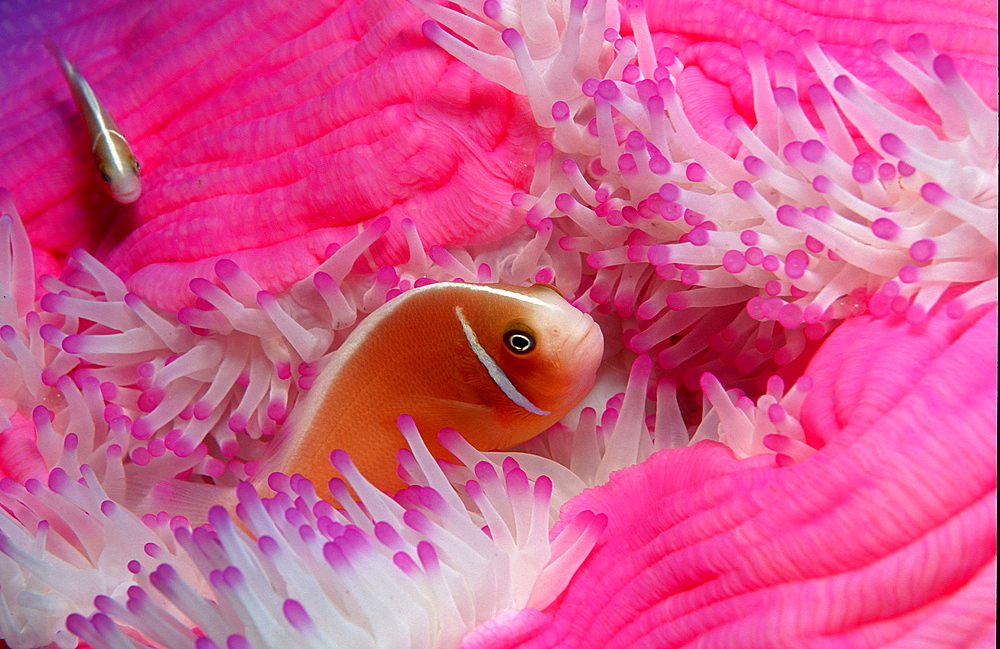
[(789, 238)]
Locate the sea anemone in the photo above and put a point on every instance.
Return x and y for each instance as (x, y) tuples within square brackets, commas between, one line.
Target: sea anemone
[(720, 254), (812, 219), (256, 144)]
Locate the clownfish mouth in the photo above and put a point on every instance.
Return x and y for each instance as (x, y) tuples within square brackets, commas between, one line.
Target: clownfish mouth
[(586, 345), (592, 341), (129, 196)]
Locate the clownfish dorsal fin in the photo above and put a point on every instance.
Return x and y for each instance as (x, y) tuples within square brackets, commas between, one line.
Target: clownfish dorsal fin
[(494, 370)]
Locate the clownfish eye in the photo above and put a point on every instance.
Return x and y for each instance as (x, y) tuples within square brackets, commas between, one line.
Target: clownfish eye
[(518, 341)]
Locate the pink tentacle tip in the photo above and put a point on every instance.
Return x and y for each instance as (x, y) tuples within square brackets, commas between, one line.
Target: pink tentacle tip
[(214, 467), (202, 410), (184, 447), (822, 184), (431, 30), (58, 480), (276, 410), (695, 173), (918, 43), (755, 166), (341, 460), (862, 172), (881, 48), (805, 38), (50, 303), (734, 261), (451, 439), (785, 97), (944, 68), (73, 344), (512, 38), (380, 225), (752, 49), (226, 268), (155, 395), (266, 300), (885, 228), (893, 145), (916, 314), (933, 193), (608, 89), (814, 151), (956, 309), (909, 274), (923, 250), (200, 286), (744, 190), (844, 85), (141, 429), (812, 314), (237, 423), (296, 615), (492, 9), (669, 192), (560, 111), (76, 623)]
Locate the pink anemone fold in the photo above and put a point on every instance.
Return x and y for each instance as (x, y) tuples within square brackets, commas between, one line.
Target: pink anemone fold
[(258, 145)]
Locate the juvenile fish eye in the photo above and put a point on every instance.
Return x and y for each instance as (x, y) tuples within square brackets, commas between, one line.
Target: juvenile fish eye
[(519, 341)]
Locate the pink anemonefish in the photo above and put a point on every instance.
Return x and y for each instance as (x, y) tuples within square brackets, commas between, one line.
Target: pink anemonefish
[(116, 165), (498, 363)]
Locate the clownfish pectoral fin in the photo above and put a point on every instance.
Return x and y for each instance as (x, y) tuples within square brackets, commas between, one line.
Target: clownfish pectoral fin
[(477, 422), (459, 413)]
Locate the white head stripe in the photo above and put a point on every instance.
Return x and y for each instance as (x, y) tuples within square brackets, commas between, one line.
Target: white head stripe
[(106, 134), (494, 370)]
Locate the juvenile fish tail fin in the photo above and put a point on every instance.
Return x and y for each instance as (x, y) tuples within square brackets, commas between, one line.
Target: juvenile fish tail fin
[(67, 68)]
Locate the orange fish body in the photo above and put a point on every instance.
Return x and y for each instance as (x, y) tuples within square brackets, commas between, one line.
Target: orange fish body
[(498, 363)]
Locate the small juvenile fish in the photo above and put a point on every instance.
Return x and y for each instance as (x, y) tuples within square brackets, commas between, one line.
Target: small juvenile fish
[(117, 166), (498, 363)]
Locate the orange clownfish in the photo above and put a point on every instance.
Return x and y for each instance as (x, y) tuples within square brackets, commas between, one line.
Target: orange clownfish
[(116, 165), (498, 363)]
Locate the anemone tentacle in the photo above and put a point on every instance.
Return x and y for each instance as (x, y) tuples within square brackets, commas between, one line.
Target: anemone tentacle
[(813, 219), (301, 556)]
